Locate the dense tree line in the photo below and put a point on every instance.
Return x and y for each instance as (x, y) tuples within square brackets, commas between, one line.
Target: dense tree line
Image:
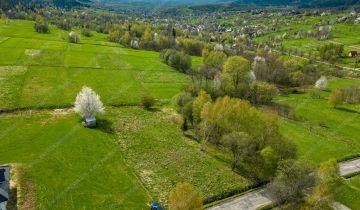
[(9, 4), (301, 3), (299, 186)]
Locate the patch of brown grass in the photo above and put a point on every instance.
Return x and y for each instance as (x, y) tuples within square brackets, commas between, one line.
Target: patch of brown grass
[(22, 194)]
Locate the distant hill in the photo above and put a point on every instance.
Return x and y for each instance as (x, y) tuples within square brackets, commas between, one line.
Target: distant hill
[(211, 5), (301, 3), (215, 5), (6, 4)]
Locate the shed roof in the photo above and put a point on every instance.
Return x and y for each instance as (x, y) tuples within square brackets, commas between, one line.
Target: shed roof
[(90, 118)]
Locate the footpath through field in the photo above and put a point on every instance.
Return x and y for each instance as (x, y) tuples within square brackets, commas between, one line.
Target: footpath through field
[(261, 198)]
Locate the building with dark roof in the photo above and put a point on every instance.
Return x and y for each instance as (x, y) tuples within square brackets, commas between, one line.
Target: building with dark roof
[(4, 186)]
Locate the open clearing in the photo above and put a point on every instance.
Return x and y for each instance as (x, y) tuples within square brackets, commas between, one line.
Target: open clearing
[(320, 131), (55, 70)]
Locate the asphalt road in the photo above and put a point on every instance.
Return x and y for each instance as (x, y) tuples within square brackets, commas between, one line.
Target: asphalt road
[(260, 198), (349, 167)]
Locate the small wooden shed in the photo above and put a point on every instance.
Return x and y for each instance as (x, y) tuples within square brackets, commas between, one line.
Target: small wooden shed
[(90, 121)]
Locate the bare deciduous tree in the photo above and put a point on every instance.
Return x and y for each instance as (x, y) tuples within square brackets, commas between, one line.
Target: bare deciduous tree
[(321, 83)]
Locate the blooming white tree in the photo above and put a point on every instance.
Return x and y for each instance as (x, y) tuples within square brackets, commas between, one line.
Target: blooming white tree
[(134, 44), (88, 103), (219, 47), (259, 68), (252, 76), (217, 81), (321, 83), (74, 37), (259, 59)]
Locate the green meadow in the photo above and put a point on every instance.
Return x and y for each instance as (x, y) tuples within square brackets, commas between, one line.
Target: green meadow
[(132, 158), (320, 131), (348, 192), (66, 163), (44, 70)]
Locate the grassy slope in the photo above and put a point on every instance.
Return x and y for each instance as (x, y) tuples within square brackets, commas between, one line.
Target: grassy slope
[(324, 132), (55, 70), (71, 167), (348, 193), (162, 156), (80, 168)]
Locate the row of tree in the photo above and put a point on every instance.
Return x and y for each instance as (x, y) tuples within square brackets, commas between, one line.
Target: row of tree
[(297, 185), (349, 95)]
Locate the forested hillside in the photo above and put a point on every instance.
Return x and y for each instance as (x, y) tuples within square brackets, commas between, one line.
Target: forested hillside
[(6, 4), (219, 4), (302, 3)]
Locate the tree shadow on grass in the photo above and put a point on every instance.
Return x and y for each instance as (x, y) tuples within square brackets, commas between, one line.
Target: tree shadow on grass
[(347, 110), (12, 203), (153, 109), (105, 126)]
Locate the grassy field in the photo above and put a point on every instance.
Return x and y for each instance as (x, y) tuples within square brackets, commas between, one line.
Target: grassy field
[(123, 163), (348, 192), (142, 136), (132, 158), (320, 131), (67, 163), (44, 70)]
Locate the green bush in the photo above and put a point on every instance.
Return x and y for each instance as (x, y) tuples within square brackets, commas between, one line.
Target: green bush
[(147, 102), (262, 92), (40, 25), (176, 59), (86, 32), (74, 37)]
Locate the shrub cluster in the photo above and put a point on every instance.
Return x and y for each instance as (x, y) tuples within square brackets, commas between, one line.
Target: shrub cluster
[(147, 101), (40, 25), (74, 37), (331, 52), (176, 59), (349, 95), (251, 136)]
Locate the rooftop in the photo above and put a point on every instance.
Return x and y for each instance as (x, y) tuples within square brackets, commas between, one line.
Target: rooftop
[(4, 183)]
